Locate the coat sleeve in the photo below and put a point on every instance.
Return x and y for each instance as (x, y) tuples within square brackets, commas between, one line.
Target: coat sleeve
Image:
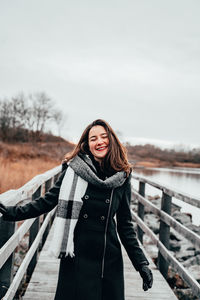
[(36, 207), (126, 230)]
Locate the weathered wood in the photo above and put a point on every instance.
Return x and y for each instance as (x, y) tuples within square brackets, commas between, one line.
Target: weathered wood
[(183, 273), (168, 256), (6, 271), (55, 177), (195, 201), (164, 234), (141, 210), (10, 240), (44, 280), (169, 220), (134, 292), (48, 185), (145, 228), (133, 283), (33, 233), (23, 267), (14, 240)]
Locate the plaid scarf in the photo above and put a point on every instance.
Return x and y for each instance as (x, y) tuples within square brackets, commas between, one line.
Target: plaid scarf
[(79, 173)]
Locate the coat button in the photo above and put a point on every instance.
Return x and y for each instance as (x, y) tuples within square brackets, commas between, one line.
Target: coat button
[(107, 200), (85, 216), (102, 218), (86, 197)]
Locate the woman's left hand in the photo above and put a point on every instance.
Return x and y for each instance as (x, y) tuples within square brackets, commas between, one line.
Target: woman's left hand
[(147, 277)]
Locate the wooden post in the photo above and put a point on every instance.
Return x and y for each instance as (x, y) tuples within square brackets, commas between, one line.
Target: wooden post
[(33, 232), (141, 210), (164, 234), (7, 229), (55, 178)]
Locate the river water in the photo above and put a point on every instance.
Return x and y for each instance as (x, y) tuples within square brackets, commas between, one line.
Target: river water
[(186, 180)]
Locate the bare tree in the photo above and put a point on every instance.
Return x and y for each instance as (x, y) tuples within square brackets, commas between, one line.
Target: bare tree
[(19, 110), (41, 110), (26, 117), (59, 119), (5, 119)]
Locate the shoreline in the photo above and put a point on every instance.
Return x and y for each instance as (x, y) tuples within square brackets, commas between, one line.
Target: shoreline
[(163, 164)]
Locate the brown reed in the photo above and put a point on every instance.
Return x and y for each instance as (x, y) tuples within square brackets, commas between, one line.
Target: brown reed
[(14, 174)]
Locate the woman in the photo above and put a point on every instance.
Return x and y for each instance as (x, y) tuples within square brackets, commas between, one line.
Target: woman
[(94, 187)]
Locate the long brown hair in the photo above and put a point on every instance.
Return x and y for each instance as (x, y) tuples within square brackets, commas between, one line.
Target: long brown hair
[(116, 158)]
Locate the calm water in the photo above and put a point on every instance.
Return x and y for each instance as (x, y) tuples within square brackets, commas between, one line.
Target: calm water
[(185, 180)]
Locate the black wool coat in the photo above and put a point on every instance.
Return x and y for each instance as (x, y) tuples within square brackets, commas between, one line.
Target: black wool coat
[(96, 271)]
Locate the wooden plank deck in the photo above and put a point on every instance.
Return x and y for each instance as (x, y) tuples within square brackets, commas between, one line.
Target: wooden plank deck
[(44, 280)]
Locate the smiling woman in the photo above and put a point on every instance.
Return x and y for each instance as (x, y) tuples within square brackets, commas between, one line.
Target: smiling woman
[(93, 195), (98, 142)]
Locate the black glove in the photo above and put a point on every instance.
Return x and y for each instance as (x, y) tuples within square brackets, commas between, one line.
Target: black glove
[(3, 209), (147, 277)]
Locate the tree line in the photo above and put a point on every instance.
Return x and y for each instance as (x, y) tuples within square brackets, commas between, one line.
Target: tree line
[(26, 117), (139, 152)]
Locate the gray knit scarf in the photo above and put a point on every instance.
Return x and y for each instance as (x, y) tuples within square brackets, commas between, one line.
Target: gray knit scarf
[(79, 173)]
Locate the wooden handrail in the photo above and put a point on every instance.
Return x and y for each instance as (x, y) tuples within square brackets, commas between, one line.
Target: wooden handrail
[(23, 267), (165, 258), (171, 192), (11, 237), (169, 220), (13, 242), (25, 192), (168, 256), (33, 189)]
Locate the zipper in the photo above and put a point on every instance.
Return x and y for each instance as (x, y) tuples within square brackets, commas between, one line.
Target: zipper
[(105, 238)]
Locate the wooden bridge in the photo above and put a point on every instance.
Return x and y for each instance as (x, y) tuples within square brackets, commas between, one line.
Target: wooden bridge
[(43, 269), (44, 279)]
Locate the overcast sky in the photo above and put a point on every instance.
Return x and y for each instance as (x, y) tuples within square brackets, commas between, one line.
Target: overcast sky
[(134, 63)]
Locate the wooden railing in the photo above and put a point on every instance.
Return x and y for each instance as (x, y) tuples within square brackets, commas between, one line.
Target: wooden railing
[(11, 234), (165, 258), (38, 230)]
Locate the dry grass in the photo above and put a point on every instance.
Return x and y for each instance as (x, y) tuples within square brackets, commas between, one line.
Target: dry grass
[(21, 162), (51, 151), (14, 174)]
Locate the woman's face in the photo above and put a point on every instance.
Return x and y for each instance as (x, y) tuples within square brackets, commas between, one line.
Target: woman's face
[(98, 142)]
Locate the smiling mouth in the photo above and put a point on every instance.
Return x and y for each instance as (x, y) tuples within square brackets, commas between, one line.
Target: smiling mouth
[(101, 148)]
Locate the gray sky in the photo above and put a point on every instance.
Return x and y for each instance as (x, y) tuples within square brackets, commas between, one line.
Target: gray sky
[(134, 63)]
